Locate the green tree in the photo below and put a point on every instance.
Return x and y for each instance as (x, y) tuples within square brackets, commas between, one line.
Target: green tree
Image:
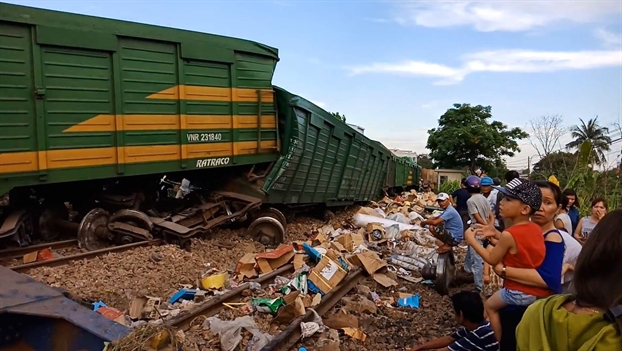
[(561, 164), (424, 161), (339, 116), (596, 135), (465, 138)]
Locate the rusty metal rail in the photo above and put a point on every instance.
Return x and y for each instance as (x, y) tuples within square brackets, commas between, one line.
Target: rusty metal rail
[(291, 335), (61, 261), (21, 251), (215, 305)]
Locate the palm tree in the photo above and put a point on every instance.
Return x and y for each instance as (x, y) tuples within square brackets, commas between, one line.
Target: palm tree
[(593, 133)]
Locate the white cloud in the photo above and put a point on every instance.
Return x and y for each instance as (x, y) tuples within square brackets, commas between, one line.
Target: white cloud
[(513, 16), (320, 104), (523, 61), (609, 39)]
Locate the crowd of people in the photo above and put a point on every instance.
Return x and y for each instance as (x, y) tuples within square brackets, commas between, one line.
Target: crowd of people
[(560, 274)]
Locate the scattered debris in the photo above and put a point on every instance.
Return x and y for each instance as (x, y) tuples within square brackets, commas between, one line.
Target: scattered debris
[(147, 286)]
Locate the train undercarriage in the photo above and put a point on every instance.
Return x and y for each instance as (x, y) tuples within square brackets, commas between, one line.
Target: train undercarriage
[(124, 213)]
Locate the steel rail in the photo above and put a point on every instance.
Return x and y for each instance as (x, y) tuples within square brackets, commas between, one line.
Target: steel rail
[(215, 305), (292, 334), (21, 251), (61, 261), (212, 306)]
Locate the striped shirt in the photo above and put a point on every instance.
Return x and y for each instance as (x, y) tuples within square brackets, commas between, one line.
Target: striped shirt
[(480, 339)]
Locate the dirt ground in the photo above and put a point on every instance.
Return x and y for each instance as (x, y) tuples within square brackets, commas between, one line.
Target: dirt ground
[(117, 278)]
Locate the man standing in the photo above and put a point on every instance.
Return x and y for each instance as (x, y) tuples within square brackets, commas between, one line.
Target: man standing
[(479, 212), (460, 198), (448, 226), (494, 197)]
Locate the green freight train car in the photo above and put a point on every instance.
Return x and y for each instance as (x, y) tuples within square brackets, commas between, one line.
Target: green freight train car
[(92, 98), (90, 108), (325, 161), (135, 131)]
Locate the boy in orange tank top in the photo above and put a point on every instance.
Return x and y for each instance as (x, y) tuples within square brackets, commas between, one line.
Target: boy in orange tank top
[(520, 246)]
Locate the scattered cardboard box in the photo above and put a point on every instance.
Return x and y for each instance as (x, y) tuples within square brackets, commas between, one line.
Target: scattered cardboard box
[(246, 266), (369, 260), (340, 320), (384, 280), (351, 241), (299, 261), (269, 261), (327, 274), (355, 333), (371, 227)]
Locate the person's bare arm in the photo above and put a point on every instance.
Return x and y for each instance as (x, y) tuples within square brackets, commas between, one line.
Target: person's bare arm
[(488, 230), (432, 221), (496, 254), (491, 217), (434, 344), (577, 232), (559, 224), (478, 218), (527, 276)]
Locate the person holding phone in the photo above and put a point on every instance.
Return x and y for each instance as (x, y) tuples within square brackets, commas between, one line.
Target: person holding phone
[(586, 224)]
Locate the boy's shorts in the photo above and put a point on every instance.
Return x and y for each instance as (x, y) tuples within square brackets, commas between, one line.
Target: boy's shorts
[(516, 298), (443, 235)]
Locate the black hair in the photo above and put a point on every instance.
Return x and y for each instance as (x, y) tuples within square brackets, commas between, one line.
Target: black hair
[(511, 175), (496, 181), (600, 199), (597, 273), (557, 192), (463, 181), (571, 192), (470, 304), (472, 190), (564, 202)]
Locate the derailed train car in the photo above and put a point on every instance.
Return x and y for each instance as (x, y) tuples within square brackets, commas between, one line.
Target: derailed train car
[(121, 131)]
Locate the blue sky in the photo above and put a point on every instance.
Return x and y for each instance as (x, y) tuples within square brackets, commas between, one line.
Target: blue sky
[(394, 67)]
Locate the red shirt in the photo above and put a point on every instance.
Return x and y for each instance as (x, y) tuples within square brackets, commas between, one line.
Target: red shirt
[(530, 254)]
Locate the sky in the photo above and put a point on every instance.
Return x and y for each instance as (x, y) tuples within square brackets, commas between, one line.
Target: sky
[(394, 67)]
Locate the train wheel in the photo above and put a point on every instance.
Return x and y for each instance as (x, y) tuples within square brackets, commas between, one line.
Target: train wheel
[(135, 219), (328, 216), (273, 213), (267, 230), (45, 226), (93, 233)]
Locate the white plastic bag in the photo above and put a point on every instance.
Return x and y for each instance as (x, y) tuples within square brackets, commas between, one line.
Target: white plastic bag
[(230, 336)]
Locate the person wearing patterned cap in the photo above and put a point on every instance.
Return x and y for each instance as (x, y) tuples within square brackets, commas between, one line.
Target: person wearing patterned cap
[(519, 246)]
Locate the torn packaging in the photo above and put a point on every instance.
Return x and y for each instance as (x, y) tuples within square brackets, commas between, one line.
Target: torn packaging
[(269, 261), (246, 266)]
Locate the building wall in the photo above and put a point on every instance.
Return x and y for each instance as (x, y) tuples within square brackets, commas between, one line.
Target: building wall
[(448, 177), (402, 153)]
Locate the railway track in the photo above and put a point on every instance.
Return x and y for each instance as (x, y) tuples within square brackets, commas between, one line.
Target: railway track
[(215, 305), (61, 261), (292, 334), (21, 251)]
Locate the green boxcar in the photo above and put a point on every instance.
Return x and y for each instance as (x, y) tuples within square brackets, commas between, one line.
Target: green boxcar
[(324, 160), (83, 97)]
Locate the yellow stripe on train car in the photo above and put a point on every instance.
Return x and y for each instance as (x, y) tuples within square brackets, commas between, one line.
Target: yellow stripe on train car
[(201, 93), (19, 162), (113, 123)]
